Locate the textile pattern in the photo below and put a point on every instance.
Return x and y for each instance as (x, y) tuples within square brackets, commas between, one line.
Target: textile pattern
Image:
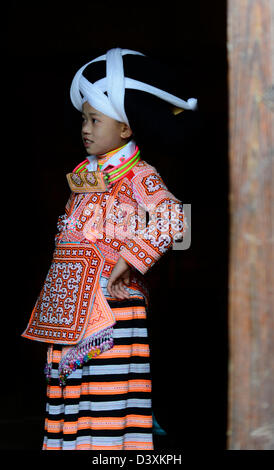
[(106, 405)]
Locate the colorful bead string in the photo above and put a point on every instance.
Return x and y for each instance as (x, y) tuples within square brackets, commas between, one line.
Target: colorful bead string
[(82, 166), (104, 158), (118, 172)]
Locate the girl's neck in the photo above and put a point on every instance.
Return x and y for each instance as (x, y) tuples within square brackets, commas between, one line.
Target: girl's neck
[(104, 158)]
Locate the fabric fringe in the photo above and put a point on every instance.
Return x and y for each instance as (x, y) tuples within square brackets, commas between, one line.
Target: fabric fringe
[(78, 355)]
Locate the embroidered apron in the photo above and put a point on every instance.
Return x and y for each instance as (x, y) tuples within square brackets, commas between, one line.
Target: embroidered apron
[(71, 308)]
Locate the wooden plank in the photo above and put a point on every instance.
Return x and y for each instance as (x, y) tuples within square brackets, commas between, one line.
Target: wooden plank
[(251, 312)]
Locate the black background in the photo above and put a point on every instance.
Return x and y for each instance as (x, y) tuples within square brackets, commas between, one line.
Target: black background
[(42, 47)]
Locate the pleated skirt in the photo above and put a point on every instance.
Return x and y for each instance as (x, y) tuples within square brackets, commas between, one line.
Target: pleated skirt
[(105, 405)]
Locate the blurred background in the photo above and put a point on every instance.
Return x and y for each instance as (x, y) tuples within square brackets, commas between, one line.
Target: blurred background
[(42, 47)]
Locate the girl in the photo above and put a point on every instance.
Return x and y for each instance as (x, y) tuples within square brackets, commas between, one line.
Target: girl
[(92, 307)]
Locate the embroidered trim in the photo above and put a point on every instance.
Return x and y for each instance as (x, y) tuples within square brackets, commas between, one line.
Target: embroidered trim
[(86, 182), (81, 180), (62, 310), (121, 170), (77, 356)]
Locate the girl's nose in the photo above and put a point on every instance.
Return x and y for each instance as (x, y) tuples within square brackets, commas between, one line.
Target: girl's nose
[(86, 127)]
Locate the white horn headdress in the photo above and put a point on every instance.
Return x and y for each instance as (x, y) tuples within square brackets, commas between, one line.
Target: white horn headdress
[(115, 84)]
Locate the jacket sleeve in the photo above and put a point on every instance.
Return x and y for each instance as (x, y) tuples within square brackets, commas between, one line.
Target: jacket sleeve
[(166, 222)]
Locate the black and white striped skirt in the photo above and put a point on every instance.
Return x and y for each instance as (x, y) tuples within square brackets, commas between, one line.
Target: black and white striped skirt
[(106, 404)]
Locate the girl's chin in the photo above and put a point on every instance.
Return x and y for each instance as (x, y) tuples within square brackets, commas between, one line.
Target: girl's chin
[(92, 150)]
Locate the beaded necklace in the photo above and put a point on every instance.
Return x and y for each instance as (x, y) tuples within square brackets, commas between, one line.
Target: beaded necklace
[(104, 158), (121, 170), (83, 165), (117, 172)]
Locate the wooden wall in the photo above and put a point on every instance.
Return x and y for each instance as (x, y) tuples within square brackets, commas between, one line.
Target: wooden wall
[(251, 312)]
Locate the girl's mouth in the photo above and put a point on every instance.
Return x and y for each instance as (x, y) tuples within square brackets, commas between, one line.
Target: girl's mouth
[(87, 142)]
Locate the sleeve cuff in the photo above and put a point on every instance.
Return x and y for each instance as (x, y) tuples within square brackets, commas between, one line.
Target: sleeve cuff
[(137, 258)]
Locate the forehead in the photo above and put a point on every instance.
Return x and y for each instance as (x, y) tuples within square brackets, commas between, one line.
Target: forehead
[(90, 110)]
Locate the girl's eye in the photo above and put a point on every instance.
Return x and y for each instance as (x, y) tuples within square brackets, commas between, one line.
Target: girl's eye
[(93, 120)]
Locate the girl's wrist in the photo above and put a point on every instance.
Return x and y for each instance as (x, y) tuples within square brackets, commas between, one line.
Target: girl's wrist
[(126, 263)]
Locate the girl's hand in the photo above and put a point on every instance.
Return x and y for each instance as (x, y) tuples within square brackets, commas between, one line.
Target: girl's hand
[(119, 278)]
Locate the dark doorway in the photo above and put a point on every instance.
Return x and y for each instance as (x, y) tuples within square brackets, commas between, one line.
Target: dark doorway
[(43, 47)]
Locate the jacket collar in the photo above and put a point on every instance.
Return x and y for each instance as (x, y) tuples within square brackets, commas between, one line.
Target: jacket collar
[(115, 160)]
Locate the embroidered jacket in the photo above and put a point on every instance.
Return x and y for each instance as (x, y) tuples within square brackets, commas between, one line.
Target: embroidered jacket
[(118, 219), (96, 229)]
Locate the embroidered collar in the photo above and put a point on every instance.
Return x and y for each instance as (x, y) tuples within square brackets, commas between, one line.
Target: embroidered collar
[(104, 158), (121, 156), (87, 178)]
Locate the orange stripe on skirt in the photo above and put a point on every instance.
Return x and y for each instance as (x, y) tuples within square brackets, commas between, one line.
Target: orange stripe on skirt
[(71, 427), (73, 420), (106, 388)]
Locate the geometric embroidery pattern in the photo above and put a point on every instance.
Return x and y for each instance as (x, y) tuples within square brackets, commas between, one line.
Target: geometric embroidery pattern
[(61, 312), (153, 183), (165, 224)]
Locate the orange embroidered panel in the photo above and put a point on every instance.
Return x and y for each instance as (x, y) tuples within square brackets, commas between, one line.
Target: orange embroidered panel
[(153, 183), (165, 224), (61, 312)]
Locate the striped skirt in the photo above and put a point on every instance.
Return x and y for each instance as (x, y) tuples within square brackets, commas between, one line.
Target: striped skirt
[(106, 404)]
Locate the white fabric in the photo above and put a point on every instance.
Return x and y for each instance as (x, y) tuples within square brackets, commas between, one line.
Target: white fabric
[(115, 84)]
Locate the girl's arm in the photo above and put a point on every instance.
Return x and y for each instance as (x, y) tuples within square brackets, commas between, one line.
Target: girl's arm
[(166, 221), (119, 278)]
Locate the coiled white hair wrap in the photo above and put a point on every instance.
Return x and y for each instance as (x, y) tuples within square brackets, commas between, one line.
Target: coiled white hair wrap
[(114, 84)]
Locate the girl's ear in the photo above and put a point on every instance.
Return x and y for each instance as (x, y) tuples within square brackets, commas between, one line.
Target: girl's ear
[(126, 131)]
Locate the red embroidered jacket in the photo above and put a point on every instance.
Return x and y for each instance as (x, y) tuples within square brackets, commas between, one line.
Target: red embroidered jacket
[(118, 219), (97, 228)]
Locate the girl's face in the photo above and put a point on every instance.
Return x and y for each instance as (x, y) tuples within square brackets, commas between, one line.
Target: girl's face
[(100, 133)]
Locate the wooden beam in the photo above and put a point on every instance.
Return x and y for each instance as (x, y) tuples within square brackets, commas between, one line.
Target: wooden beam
[(251, 306)]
